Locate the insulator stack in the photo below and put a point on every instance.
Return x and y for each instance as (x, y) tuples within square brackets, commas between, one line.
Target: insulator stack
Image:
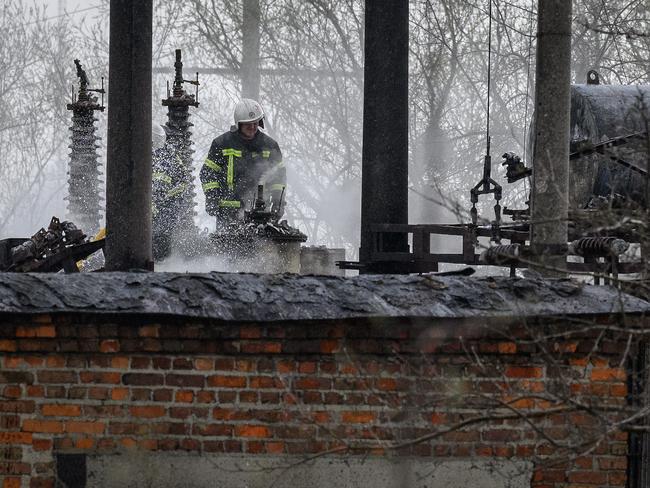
[(598, 246), (503, 254), (179, 139), (84, 183)]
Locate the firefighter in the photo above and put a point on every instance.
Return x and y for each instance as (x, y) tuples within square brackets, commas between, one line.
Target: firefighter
[(169, 182), (237, 162)]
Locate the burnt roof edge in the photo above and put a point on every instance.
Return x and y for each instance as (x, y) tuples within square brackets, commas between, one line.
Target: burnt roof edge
[(284, 298)]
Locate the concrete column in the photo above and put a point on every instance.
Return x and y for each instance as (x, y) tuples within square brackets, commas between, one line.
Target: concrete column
[(384, 177), (128, 169), (550, 192), (250, 62)]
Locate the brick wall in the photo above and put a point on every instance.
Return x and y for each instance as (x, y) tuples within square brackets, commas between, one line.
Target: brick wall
[(548, 392)]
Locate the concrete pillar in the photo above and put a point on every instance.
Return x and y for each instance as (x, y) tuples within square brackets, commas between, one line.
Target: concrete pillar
[(384, 177), (250, 62), (128, 169), (550, 192)]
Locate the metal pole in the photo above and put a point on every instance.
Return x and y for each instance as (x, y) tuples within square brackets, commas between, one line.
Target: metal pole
[(128, 171), (550, 192), (384, 180), (250, 62)]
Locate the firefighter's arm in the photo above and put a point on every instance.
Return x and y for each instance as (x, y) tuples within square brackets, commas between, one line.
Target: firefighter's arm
[(213, 179), (277, 180)]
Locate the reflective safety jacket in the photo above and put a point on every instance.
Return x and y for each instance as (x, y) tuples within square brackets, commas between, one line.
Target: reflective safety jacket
[(235, 166)]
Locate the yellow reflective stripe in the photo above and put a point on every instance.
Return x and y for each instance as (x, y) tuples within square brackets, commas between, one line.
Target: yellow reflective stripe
[(266, 154), (211, 185), (160, 176), (230, 178), (277, 187), (231, 152), (212, 165), (280, 164), (176, 191), (230, 203)]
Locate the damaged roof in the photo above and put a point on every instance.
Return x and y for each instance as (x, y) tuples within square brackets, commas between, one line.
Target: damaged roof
[(272, 298)]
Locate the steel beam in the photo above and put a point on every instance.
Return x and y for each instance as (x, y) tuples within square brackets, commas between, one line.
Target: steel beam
[(384, 177), (128, 169)]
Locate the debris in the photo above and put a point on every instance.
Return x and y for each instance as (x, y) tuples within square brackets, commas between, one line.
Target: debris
[(59, 247)]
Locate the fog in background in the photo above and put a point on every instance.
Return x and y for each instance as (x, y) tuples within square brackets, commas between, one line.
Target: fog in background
[(311, 88)]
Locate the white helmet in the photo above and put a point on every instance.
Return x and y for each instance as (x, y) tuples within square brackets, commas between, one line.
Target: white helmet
[(247, 111)]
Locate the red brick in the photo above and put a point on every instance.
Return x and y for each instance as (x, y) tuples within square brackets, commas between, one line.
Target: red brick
[(99, 393), (36, 331), (261, 347), (358, 417), (42, 444), (100, 377), (204, 364), (9, 422), (36, 391), (386, 384), (184, 396), (190, 444), (307, 367), (84, 427), (592, 477), (438, 418), (227, 381), (163, 395), (41, 482), (312, 384), (12, 392), (11, 483), (15, 438), (524, 372), (109, 346), (185, 380), (250, 332), (224, 364), (60, 410), (186, 412), (205, 397), (55, 362), (119, 394), (84, 443), (274, 447), (608, 374), (284, 366), (49, 426), (612, 463), (7, 345), (219, 430), (143, 379), (147, 411), (617, 478), (149, 331), (120, 362), (329, 347), (56, 376), (259, 431)]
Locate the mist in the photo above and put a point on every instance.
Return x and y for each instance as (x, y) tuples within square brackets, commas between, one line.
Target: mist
[(310, 68)]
